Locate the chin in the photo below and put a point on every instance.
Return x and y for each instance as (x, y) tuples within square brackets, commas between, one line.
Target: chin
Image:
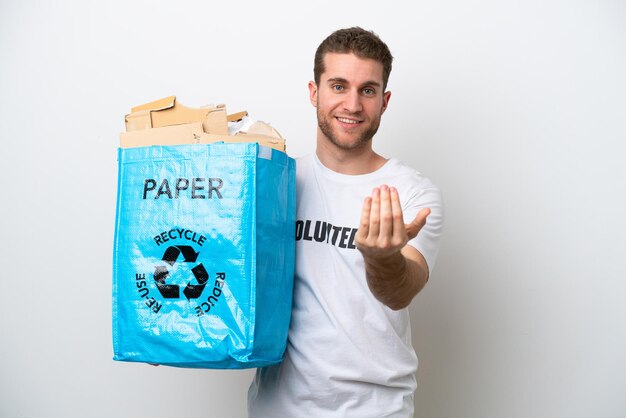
[(346, 141), (350, 144)]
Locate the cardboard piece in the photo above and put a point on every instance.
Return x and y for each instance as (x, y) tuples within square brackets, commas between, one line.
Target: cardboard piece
[(236, 117), (167, 112), (167, 122)]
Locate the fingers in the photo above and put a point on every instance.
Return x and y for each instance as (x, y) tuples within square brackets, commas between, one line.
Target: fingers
[(396, 210), (374, 230), (418, 223), (381, 227), (381, 217), (386, 215), (364, 225)]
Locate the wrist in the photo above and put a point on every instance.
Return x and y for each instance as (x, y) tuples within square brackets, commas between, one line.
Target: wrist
[(393, 263)]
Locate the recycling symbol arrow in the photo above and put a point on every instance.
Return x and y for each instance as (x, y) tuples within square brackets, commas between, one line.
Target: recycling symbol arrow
[(172, 291)]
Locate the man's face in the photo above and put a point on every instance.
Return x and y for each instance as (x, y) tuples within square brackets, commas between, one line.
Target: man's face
[(349, 100)]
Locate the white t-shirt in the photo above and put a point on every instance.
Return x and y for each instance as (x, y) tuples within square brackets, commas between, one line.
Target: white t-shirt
[(348, 355)]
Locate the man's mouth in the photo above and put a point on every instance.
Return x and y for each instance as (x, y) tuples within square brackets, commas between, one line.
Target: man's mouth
[(348, 121)]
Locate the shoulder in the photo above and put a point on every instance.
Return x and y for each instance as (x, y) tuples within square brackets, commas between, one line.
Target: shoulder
[(416, 191), (304, 161), (305, 171), (408, 178), (304, 164)]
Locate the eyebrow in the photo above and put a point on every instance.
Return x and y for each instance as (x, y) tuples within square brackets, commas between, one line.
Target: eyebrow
[(343, 80)]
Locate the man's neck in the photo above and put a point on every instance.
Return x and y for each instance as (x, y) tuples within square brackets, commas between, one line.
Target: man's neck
[(362, 160)]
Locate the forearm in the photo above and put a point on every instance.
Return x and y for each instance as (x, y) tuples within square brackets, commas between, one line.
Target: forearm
[(395, 271), (396, 279)]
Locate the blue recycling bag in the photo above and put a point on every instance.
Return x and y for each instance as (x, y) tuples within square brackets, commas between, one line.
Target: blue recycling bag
[(203, 257)]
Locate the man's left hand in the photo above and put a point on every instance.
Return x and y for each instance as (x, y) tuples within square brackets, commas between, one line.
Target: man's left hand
[(382, 232)]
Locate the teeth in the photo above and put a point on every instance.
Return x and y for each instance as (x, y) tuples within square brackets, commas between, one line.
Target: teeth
[(350, 121)]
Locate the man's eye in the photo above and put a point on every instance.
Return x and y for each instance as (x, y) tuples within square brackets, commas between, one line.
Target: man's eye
[(337, 87), (368, 91)]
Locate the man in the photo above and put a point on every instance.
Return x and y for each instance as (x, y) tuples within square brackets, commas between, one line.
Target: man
[(358, 266)]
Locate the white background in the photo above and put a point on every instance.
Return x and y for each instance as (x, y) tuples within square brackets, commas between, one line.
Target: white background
[(515, 109)]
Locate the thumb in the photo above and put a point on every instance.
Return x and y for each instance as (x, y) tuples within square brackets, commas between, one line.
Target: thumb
[(418, 223)]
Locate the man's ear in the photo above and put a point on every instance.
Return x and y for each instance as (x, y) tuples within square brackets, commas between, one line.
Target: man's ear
[(313, 93), (386, 97)]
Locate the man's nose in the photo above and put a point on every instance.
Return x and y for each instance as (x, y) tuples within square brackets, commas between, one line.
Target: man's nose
[(352, 102)]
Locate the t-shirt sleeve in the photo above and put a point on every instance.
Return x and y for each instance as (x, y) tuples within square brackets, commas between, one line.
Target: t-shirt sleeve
[(428, 239)]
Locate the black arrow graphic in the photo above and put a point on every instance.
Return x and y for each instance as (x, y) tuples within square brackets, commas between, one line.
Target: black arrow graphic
[(171, 254), (190, 255), (169, 291), (193, 291)]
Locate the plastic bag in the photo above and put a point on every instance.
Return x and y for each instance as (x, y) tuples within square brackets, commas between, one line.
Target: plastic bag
[(203, 255)]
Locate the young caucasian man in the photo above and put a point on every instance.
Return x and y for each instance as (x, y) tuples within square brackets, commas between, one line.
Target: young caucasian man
[(358, 265)]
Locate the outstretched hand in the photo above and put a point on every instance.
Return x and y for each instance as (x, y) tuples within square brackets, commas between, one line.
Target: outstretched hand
[(382, 231)]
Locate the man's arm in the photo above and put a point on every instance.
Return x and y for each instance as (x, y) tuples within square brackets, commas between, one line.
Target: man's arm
[(395, 271)]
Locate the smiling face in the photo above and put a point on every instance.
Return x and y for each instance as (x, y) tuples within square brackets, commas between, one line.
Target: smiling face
[(349, 100)]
